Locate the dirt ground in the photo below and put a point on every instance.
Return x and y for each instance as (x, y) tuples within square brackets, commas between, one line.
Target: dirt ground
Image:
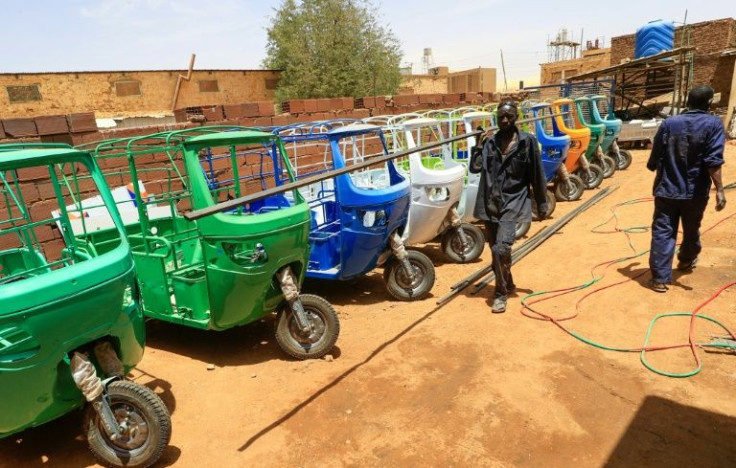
[(416, 385)]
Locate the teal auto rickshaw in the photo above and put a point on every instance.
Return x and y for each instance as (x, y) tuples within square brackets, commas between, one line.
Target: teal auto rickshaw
[(71, 323)]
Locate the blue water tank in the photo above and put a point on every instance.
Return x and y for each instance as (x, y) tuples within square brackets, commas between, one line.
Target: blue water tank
[(653, 38)]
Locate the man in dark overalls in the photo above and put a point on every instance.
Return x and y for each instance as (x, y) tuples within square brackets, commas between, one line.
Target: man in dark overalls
[(687, 154), (509, 163)]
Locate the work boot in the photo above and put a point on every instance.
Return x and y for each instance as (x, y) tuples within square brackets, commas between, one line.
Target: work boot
[(687, 265), (657, 286), (499, 305)]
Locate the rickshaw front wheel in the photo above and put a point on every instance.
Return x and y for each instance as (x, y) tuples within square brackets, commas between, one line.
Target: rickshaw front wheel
[(592, 180), (453, 248), (144, 422), (569, 190), (551, 206), (398, 283), (623, 159), (609, 166), (324, 328)]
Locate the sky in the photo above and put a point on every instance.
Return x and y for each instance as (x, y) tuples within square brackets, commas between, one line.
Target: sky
[(101, 35)]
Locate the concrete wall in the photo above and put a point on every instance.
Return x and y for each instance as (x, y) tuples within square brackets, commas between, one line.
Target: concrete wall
[(710, 38), (555, 72), (105, 92), (477, 80), (423, 84)]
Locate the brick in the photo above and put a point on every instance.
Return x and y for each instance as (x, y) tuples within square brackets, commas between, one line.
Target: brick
[(82, 122), (231, 111), (266, 109), (213, 113), (19, 128), (52, 249), (323, 105), (42, 210), (451, 98), (33, 173), (47, 232), (250, 109), (293, 106), (61, 138), (2, 131), (9, 241), (281, 120), (52, 125), (310, 105), (405, 99), (29, 192)]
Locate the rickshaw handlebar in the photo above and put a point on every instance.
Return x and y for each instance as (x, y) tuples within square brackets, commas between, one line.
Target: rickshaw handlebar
[(246, 199)]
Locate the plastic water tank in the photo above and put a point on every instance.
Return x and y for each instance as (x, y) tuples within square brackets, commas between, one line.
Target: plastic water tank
[(653, 38)]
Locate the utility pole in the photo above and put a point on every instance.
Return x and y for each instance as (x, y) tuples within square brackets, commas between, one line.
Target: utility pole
[(503, 68)]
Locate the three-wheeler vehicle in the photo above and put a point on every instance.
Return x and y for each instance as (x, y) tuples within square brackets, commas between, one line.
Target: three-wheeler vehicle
[(436, 187), (554, 148), (600, 106), (71, 324), (358, 218), (229, 268), (575, 162), (583, 119)]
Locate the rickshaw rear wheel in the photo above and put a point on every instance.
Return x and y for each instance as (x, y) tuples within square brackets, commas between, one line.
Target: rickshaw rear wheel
[(397, 282), (594, 180), (569, 190), (324, 324), (144, 421), (609, 166), (452, 245), (623, 159), (551, 206)]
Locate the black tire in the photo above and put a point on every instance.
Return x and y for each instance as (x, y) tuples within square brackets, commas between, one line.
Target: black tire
[(551, 205), (134, 405), (571, 190), (453, 248), (623, 159), (325, 329), (608, 166), (398, 284), (522, 229), (594, 180)]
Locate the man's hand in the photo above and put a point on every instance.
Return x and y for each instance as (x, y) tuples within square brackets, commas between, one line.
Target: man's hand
[(720, 200)]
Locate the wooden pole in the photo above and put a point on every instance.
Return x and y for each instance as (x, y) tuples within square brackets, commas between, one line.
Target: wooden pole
[(503, 68)]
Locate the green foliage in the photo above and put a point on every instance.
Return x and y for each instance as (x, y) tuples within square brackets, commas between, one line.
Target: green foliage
[(331, 48)]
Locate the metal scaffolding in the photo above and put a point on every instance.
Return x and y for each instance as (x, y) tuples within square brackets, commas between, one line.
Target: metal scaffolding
[(644, 85)]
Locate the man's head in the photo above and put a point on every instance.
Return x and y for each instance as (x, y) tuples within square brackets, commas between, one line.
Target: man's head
[(700, 98), (506, 115)]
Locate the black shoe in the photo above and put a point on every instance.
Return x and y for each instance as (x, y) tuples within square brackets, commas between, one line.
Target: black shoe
[(658, 287), (686, 265), (499, 305)]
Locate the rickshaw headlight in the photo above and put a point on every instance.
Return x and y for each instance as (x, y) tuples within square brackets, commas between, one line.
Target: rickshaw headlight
[(438, 194), (128, 297), (374, 218)]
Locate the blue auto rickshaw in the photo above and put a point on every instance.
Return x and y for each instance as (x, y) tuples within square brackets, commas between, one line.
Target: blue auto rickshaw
[(567, 187), (357, 218)]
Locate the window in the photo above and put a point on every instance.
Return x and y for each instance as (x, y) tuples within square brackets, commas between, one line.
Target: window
[(208, 86), (127, 88), (24, 93), (272, 83)]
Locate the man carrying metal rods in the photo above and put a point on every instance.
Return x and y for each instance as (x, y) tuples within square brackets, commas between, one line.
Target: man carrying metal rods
[(687, 155), (509, 163)]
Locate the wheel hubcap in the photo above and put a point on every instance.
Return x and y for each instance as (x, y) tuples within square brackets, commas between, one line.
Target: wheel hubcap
[(132, 425), (317, 328), (403, 279), (457, 245)]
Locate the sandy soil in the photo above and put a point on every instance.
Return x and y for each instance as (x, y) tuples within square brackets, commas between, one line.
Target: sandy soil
[(416, 385)]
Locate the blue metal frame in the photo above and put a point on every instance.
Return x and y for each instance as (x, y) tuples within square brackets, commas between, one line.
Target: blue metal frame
[(342, 246)]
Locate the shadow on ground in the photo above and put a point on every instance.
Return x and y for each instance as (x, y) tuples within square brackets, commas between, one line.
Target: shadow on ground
[(666, 433)]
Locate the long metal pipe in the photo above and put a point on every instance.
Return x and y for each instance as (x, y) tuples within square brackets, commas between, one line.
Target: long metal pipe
[(244, 200)]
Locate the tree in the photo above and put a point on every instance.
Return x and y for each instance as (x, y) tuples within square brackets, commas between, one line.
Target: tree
[(331, 48)]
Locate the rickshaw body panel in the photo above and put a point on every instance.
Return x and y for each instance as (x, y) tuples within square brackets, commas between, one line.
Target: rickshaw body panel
[(597, 131), (579, 137), (612, 126), (46, 316)]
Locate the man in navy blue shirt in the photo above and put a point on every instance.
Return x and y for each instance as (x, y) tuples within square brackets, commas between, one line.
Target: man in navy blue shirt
[(687, 154)]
